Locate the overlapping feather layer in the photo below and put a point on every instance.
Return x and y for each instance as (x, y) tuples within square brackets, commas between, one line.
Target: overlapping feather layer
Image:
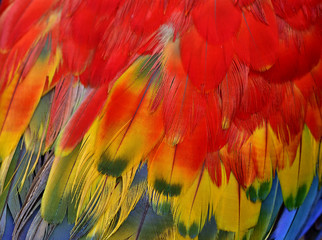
[(166, 119)]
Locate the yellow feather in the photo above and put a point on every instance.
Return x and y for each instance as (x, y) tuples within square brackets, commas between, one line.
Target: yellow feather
[(320, 163), (132, 197), (3, 171), (297, 178), (193, 208), (12, 127), (234, 212)]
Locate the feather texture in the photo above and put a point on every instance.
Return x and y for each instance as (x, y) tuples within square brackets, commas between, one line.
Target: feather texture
[(166, 119)]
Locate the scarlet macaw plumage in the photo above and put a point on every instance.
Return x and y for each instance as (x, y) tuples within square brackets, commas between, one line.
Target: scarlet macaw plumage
[(165, 119)]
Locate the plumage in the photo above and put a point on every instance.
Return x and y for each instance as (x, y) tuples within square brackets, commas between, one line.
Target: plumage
[(166, 119)]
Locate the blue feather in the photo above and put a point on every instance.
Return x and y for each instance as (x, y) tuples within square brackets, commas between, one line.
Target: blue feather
[(62, 231), (303, 212), (315, 214), (269, 210), (291, 222), (9, 224)]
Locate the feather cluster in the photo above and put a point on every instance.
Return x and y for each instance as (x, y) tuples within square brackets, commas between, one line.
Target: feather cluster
[(165, 119)]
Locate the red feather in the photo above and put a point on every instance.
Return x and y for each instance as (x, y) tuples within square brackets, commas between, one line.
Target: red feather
[(206, 64), (82, 120)]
